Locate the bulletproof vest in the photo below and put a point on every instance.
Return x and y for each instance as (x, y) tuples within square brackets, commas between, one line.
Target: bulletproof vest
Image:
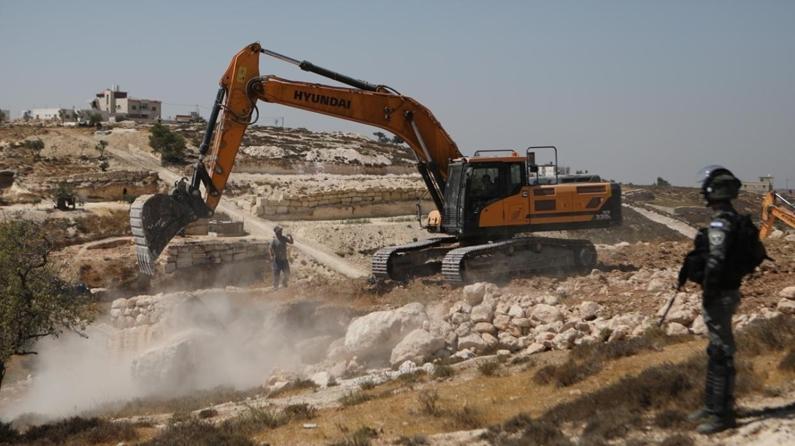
[(738, 261)]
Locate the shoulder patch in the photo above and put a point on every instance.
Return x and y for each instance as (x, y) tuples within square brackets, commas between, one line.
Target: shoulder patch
[(716, 238)]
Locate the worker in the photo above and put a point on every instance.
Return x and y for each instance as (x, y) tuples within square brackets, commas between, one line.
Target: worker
[(279, 263), (489, 186), (720, 273)]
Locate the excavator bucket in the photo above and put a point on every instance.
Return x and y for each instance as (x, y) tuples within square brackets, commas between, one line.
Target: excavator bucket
[(154, 221)]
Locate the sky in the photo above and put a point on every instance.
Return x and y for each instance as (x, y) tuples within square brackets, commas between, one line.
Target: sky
[(631, 90)]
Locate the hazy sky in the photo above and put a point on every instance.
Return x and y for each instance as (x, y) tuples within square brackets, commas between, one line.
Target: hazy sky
[(628, 89)]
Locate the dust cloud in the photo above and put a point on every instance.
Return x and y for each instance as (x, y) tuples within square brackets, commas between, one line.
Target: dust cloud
[(199, 341)]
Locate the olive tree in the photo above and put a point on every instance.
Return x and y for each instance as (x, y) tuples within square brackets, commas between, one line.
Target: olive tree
[(35, 303)]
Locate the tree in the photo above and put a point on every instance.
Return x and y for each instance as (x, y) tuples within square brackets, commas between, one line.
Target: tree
[(170, 145), (381, 137), (94, 119), (397, 140), (103, 160), (35, 302), (661, 182)]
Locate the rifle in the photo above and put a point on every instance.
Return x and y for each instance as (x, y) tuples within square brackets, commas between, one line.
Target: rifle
[(669, 304)]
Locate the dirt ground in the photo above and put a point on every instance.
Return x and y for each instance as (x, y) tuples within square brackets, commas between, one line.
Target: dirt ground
[(94, 246)]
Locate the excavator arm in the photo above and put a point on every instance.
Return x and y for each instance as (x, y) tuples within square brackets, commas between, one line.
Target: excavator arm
[(772, 211), (155, 219)]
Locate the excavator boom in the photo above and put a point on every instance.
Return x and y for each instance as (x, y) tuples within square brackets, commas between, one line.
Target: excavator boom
[(156, 219), (772, 211)]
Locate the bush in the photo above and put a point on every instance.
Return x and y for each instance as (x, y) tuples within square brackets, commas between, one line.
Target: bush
[(429, 402), (170, 145), (33, 144), (488, 368), (198, 433), (78, 430), (441, 371)]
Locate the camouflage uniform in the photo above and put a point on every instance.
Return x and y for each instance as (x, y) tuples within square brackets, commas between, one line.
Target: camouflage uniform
[(721, 296)]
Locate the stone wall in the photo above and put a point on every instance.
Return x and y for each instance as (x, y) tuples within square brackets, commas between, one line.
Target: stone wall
[(186, 253), (96, 186), (341, 204), (283, 167)]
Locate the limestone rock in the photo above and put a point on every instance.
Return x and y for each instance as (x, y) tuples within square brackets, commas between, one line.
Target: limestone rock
[(788, 292), (786, 306), (535, 348), (589, 310), (656, 284), (473, 293), (377, 333), (416, 346), (565, 340), (489, 339), (485, 327), (546, 314), (482, 313), (501, 321), (165, 367), (471, 341), (698, 327), (676, 329), (516, 311)]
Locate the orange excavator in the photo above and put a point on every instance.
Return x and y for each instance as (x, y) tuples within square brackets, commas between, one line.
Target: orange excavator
[(775, 207), (486, 204)]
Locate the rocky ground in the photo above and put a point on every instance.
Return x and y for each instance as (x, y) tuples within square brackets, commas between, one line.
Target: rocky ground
[(558, 358)]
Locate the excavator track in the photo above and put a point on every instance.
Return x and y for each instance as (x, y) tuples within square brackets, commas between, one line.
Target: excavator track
[(523, 255), (400, 263)]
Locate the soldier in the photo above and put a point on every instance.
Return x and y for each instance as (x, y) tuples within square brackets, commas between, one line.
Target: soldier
[(720, 271), (279, 263)]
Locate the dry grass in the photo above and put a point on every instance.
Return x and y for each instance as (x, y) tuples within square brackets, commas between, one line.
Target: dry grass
[(196, 400), (523, 430), (354, 397), (489, 368), (198, 433), (72, 431), (442, 371), (429, 402), (668, 389), (678, 440), (414, 440), (466, 417), (301, 411), (360, 437), (412, 378), (788, 361), (566, 374)]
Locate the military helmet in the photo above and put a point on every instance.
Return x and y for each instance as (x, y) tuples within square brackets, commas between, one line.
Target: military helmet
[(277, 229), (718, 184)]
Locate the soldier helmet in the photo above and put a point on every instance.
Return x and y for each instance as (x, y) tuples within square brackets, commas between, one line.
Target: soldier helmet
[(718, 184), (277, 229)]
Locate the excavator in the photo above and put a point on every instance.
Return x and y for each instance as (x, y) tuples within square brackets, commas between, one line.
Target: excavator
[(775, 207), (487, 205)]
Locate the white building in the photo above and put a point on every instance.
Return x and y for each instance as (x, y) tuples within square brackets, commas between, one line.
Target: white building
[(763, 186), (118, 105), (50, 114)]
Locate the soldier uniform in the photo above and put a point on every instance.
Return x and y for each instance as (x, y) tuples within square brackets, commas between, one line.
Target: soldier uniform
[(720, 282)]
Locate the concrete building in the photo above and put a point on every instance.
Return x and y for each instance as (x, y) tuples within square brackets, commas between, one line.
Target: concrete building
[(763, 186), (50, 114), (119, 106)]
